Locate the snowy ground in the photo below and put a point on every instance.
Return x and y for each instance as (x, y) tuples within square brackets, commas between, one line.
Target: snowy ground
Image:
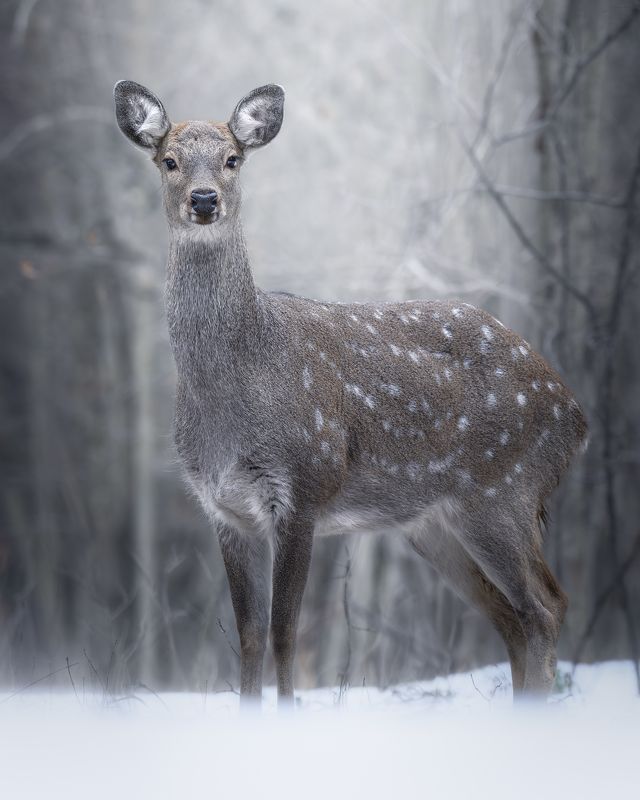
[(453, 737)]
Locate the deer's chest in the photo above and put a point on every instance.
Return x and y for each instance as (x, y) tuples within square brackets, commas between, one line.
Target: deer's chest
[(217, 448)]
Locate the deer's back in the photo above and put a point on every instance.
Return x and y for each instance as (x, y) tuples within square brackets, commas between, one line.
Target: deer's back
[(408, 403)]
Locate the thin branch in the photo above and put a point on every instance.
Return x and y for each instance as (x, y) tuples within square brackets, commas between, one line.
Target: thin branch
[(44, 122), (607, 404), (625, 249), (567, 88), (347, 616), (567, 196), (21, 22), (228, 641), (602, 599), (588, 58), (71, 677), (498, 71), (524, 239), (38, 680)]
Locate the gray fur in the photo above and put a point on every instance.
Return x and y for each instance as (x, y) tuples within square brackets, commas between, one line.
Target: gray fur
[(295, 418)]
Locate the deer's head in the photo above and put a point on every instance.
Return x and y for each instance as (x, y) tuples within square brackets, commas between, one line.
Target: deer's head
[(199, 161)]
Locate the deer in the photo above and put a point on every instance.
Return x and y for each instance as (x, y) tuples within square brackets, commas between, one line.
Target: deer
[(297, 418)]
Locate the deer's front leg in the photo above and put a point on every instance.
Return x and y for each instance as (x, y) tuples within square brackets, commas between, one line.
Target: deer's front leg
[(247, 560), (292, 555)]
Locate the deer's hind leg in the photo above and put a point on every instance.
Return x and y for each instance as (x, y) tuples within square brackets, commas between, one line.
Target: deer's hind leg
[(449, 558), (508, 550)]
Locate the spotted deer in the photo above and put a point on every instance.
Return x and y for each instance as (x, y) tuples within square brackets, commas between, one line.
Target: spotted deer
[(297, 418)]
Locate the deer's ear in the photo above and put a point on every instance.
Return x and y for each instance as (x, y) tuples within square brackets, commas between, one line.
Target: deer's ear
[(258, 116), (141, 116)]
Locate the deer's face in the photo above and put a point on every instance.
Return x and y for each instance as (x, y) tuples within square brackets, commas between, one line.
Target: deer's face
[(199, 161)]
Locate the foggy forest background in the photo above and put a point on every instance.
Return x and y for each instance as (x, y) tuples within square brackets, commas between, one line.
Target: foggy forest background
[(486, 151)]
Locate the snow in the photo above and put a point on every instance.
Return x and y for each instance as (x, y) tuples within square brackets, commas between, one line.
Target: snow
[(452, 737)]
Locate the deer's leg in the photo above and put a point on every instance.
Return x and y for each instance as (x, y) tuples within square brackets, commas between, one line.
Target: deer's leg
[(449, 558), (292, 556), (247, 560), (509, 555)]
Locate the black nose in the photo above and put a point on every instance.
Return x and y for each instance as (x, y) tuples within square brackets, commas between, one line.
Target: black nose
[(203, 201)]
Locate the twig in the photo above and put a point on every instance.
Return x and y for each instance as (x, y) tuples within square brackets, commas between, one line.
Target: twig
[(567, 88), (498, 70), (71, 677), (346, 672), (94, 670), (44, 122), (601, 602), (524, 239), (228, 641), (39, 680), (568, 196), (482, 695), (588, 58)]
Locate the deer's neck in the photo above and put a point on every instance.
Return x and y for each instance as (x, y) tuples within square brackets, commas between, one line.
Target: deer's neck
[(214, 313)]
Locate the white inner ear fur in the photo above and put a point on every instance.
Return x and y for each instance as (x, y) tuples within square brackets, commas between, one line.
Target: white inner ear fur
[(154, 125), (246, 124)]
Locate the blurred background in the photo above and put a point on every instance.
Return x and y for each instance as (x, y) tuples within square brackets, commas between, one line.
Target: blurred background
[(483, 151)]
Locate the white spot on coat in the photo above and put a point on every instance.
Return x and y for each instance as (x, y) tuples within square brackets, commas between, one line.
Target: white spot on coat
[(487, 332), (440, 465), (371, 329), (504, 438), (391, 389), (491, 400), (319, 419), (307, 379), (357, 392), (413, 470), (521, 398), (463, 423)]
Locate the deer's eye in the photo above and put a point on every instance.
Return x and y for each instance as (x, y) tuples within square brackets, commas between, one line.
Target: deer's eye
[(232, 162), (171, 164)]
